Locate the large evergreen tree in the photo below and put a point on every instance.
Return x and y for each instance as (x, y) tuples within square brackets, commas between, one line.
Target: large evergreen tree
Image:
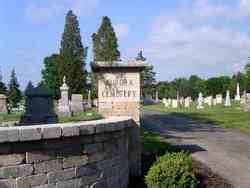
[(70, 62), (73, 55), (105, 45), (14, 94)]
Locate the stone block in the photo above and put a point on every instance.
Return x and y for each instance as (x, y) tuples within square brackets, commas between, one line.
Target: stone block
[(48, 166), (11, 159), (51, 132), (8, 134), (96, 157), (38, 156), (102, 137), (87, 129), (75, 183), (61, 175), (100, 128), (30, 133), (93, 148), (45, 186), (70, 130), (16, 171), (34, 180), (87, 170), (8, 183), (75, 161)]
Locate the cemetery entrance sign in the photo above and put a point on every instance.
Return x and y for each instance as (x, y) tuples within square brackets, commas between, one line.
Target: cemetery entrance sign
[(119, 88)]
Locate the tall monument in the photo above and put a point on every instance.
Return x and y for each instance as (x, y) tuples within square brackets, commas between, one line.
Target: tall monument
[(64, 106), (228, 100), (237, 96)]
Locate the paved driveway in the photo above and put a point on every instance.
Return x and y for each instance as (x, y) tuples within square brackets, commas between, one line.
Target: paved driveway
[(226, 152)]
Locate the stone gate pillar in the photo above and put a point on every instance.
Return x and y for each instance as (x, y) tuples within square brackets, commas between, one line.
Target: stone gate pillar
[(119, 95)]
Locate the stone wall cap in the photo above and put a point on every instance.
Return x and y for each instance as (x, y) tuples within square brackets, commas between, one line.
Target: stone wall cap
[(53, 131)]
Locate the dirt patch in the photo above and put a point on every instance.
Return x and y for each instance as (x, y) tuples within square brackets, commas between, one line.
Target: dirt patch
[(204, 174), (207, 178)]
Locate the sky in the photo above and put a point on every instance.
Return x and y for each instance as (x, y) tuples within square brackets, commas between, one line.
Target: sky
[(180, 37)]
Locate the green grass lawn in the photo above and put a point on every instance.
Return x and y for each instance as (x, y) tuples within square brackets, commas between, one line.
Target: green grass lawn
[(4, 117), (231, 117), (84, 116)]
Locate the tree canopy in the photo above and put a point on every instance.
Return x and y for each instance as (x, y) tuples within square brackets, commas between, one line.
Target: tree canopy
[(14, 93), (70, 62), (105, 44)]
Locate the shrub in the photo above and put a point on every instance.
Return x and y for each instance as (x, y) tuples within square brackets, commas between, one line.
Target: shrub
[(172, 171)]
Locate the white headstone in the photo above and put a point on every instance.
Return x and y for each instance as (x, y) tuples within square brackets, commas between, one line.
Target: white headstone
[(156, 97), (237, 97), (243, 98), (165, 102), (228, 100), (219, 99), (187, 102), (174, 103), (214, 101), (64, 106), (208, 100), (200, 101)]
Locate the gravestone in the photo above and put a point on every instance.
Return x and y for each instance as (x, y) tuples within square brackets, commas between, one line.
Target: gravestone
[(247, 104), (64, 106), (76, 103), (3, 104), (187, 102), (228, 100), (208, 100), (219, 99), (119, 95), (237, 96), (243, 98), (156, 97), (165, 102), (39, 106), (214, 101), (200, 101), (174, 103)]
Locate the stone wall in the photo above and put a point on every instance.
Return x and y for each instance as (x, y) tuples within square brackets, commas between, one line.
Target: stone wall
[(89, 154)]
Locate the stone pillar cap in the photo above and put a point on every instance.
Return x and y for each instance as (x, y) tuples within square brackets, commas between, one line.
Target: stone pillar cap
[(131, 64)]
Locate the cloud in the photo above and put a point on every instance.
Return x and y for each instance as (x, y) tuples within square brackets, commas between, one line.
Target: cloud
[(189, 46), (121, 30), (42, 13)]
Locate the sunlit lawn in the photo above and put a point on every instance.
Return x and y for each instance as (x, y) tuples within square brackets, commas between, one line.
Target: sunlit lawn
[(231, 117), (83, 116)]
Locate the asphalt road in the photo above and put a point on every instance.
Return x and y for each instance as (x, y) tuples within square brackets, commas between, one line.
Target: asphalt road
[(225, 151)]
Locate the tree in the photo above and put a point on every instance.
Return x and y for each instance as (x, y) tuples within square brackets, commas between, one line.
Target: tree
[(73, 55), (105, 45), (196, 85), (52, 73), (14, 94), (28, 87), (147, 77), (3, 88)]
